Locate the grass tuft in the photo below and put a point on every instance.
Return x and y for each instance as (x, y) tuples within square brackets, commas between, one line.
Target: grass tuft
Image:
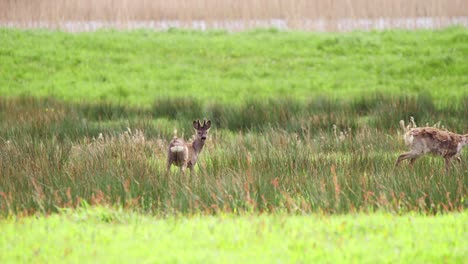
[(308, 159)]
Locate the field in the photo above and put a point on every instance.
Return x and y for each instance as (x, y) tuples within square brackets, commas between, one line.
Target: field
[(305, 130), (138, 67), (103, 235)]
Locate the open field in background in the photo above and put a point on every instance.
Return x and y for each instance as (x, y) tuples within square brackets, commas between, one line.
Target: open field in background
[(103, 235), (274, 99), (217, 67)]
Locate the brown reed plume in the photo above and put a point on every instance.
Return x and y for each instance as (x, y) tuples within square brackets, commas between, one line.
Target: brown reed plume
[(125, 10)]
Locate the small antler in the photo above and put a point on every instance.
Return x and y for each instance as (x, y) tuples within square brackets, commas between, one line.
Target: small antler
[(196, 124), (206, 124)]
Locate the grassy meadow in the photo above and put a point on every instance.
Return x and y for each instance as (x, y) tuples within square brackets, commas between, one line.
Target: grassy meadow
[(108, 236), (304, 139), (301, 121), (139, 67)]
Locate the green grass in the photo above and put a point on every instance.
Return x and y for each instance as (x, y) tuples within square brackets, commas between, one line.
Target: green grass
[(299, 159), (302, 122), (139, 67), (111, 236), (50, 157)]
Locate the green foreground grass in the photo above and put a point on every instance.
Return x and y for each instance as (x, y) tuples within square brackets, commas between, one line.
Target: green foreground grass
[(110, 236), (138, 67)]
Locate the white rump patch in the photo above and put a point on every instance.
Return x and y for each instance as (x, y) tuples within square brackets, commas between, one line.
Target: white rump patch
[(177, 149)]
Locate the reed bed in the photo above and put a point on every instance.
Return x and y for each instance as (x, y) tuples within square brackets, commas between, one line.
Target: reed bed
[(235, 15), (330, 157), (123, 10)]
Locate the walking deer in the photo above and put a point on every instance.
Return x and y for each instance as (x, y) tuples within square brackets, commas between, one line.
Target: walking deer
[(185, 155), (423, 140)]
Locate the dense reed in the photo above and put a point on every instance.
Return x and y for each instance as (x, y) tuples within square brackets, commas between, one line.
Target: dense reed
[(278, 155), (124, 10)]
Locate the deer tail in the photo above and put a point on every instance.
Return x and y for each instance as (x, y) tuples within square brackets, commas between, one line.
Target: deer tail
[(176, 149)]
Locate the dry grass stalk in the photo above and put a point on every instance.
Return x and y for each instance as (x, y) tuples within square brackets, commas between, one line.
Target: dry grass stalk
[(125, 10)]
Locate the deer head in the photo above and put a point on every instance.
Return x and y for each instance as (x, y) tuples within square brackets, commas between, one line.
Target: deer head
[(202, 130)]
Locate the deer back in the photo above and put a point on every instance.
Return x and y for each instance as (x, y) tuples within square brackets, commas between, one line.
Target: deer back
[(435, 140)]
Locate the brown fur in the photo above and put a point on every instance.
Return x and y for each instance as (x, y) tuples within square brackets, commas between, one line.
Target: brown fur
[(185, 155), (422, 140), (445, 143)]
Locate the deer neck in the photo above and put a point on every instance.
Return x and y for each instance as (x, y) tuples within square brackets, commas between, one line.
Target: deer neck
[(198, 145), (465, 140)]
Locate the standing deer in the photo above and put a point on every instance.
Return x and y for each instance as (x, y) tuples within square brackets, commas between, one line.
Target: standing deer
[(423, 140), (185, 155)]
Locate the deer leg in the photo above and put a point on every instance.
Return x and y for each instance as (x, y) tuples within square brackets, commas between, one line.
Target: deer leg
[(412, 160), (407, 155), (183, 167), (192, 171), (447, 164), (168, 166)]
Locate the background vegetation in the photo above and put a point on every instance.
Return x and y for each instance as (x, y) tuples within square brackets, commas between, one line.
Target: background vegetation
[(305, 126), (139, 67), (139, 10), (303, 122)]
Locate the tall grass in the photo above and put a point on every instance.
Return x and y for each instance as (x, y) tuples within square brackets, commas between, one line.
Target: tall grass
[(297, 124), (123, 10), (262, 156)]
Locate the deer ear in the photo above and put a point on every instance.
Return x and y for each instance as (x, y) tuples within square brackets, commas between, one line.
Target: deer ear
[(196, 124), (208, 124)]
